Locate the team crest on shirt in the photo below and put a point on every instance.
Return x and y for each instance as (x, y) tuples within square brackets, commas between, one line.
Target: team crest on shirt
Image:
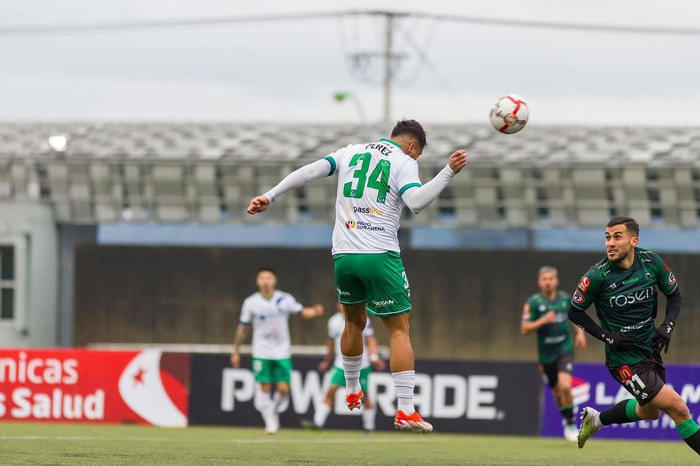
[(578, 297), (584, 283)]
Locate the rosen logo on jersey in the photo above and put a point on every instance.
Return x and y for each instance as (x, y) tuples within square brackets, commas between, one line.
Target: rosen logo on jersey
[(621, 300)]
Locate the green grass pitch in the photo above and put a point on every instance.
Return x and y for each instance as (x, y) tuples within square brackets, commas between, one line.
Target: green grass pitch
[(32, 443)]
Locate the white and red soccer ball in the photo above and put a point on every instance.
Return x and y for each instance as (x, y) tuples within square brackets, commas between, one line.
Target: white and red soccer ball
[(509, 114)]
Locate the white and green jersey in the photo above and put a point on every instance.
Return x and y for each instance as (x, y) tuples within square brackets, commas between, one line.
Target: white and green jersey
[(336, 324), (270, 321), (371, 179)]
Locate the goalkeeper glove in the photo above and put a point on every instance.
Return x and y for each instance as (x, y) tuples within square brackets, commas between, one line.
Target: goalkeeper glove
[(662, 336)]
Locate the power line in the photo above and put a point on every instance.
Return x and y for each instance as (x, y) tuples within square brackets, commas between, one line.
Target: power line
[(582, 27), (136, 25)]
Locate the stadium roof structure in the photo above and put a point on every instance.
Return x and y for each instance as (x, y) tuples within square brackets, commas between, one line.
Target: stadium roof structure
[(207, 172), (232, 142)]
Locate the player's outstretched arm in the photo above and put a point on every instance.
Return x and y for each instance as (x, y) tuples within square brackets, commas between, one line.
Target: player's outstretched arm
[(312, 311), (418, 199), (298, 177)]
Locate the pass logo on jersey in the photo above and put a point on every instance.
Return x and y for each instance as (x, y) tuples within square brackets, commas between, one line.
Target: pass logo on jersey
[(584, 283)]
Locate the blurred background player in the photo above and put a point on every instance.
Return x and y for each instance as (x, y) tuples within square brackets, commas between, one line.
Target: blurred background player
[(623, 288), (268, 312), (370, 359), (375, 181), (546, 314)]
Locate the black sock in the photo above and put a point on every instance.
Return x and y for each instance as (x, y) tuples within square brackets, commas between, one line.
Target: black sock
[(690, 433), (621, 413), (567, 412), (694, 442)]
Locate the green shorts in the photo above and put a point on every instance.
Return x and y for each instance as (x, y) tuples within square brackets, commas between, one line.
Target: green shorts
[(272, 370), (376, 279), (338, 378)]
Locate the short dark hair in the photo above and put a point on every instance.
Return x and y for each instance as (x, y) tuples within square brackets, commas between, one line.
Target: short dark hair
[(266, 269), (629, 222), (411, 128)]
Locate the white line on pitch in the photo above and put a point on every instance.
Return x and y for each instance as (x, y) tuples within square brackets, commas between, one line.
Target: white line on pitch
[(235, 441)]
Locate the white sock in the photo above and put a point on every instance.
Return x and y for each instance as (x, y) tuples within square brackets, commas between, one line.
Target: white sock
[(368, 416), (404, 382), (263, 402), (352, 366), (321, 414), (281, 402)]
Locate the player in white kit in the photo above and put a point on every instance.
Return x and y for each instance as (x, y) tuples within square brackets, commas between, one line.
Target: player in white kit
[(375, 181), (268, 311), (370, 359)]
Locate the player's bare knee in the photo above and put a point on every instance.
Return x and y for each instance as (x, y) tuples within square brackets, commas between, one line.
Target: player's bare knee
[(283, 388), (563, 387), (678, 411), (265, 387)]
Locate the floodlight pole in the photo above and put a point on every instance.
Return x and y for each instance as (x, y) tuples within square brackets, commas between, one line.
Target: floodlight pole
[(389, 19)]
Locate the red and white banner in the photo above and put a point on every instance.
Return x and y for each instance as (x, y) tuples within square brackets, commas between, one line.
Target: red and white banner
[(144, 387)]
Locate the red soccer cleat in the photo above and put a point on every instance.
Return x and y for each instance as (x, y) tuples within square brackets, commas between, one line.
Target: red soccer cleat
[(354, 400), (412, 423)]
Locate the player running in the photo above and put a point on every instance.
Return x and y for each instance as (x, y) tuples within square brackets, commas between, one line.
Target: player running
[(623, 287), (546, 314), (375, 180), (268, 312), (336, 324)]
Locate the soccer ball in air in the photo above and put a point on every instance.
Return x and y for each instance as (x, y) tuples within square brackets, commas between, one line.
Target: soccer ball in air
[(509, 114)]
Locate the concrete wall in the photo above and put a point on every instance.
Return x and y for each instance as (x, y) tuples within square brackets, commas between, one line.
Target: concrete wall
[(32, 225), (467, 304)]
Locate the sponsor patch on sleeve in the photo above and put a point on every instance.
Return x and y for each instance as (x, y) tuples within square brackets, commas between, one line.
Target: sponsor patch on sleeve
[(671, 277), (578, 297), (584, 284)]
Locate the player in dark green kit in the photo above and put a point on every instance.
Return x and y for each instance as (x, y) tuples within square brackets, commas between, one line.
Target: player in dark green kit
[(546, 314), (623, 287)]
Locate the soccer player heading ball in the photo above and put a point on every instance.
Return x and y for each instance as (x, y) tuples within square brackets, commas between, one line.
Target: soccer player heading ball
[(546, 314), (623, 287), (375, 180)]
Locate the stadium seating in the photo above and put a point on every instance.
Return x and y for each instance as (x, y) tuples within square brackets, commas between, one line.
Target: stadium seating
[(206, 172)]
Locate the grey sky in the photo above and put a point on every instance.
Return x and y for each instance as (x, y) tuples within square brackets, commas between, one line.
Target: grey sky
[(288, 71)]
